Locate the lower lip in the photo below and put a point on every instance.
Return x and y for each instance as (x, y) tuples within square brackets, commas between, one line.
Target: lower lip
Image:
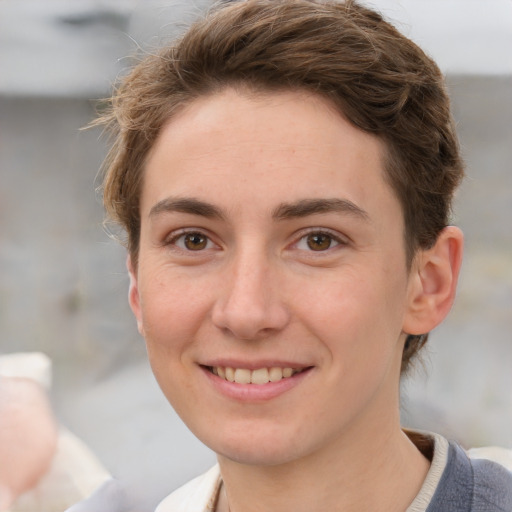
[(255, 392)]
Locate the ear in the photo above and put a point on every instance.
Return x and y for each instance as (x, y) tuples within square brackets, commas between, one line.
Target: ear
[(133, 294), (433, 282)]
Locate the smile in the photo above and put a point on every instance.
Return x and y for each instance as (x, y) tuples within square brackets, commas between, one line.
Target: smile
[(259, 376)]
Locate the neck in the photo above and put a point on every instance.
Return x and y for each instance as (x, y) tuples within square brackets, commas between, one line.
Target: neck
[(375, 467)]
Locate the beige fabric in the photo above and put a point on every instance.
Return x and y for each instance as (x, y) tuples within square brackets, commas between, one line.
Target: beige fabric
[(434, 474), (198, 495)]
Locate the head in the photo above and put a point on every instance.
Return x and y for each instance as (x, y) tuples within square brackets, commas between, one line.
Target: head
[(371, 75)]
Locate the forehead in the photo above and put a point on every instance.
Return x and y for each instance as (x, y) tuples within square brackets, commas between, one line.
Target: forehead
[(265, 147)]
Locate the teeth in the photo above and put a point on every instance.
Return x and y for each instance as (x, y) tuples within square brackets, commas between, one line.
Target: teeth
[(275, 374), (230, 374), (242, 376), (259, 376)]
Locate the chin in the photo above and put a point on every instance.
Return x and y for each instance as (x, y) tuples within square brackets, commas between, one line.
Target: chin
[(256, 449), (253, 456)]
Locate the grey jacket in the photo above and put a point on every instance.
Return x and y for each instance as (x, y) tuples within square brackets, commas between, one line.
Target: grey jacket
[(472, 485)]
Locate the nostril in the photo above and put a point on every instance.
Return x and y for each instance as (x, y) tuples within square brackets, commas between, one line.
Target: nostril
[(249, 303)]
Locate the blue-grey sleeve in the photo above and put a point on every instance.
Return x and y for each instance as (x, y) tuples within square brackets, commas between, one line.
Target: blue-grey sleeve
[(493, 487), (109, 497), (472, 485)]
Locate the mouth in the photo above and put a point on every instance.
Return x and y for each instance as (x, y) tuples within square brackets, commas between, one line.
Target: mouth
[(259, 376)]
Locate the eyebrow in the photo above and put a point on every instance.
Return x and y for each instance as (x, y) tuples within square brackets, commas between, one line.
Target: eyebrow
[(186, 205), (284, 211), (306, 207)]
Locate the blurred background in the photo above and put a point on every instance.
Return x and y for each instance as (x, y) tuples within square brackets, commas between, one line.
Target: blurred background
[(63, 284)]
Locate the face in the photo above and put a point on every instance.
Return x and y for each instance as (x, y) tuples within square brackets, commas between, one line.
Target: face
[(271, 287)]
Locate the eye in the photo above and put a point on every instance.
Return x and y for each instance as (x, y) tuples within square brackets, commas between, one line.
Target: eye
[(192, 241), (318, 241)]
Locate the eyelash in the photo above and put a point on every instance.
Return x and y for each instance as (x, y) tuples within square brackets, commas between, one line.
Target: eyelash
[(173, 240), (338, 241), (334, 237)]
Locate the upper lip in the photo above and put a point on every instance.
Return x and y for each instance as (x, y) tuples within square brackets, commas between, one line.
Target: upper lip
[(254, 364)]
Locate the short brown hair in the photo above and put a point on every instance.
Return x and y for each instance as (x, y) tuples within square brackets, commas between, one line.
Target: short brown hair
[(379, 80)]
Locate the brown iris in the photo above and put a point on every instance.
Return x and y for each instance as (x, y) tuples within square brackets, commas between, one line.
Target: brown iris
[(319, 241), (195, 241)]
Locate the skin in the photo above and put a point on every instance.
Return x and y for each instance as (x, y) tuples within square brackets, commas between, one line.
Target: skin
[(253, 293), (28, 437)]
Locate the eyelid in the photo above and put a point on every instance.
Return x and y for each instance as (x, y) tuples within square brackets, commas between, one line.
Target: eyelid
[(171, 239), (341, 240)]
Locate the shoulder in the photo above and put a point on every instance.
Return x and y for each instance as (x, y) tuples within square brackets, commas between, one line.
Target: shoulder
[(492, 485), (194, 496), (470, 485)]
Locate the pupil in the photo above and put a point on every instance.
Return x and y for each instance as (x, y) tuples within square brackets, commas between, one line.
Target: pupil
[(195, 241), (319, 242)]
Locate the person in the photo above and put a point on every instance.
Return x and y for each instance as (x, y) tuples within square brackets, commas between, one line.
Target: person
[(43, 466), (285, 173), (28, 437)]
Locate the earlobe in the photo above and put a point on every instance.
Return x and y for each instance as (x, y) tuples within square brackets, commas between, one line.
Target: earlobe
[(433, 282), (133, 295)]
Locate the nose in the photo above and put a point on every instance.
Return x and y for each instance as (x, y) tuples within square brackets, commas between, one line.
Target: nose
[(250, 303)]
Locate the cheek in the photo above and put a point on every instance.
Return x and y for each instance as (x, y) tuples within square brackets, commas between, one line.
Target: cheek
[(173, 310), (172, 314), (358, 316)]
